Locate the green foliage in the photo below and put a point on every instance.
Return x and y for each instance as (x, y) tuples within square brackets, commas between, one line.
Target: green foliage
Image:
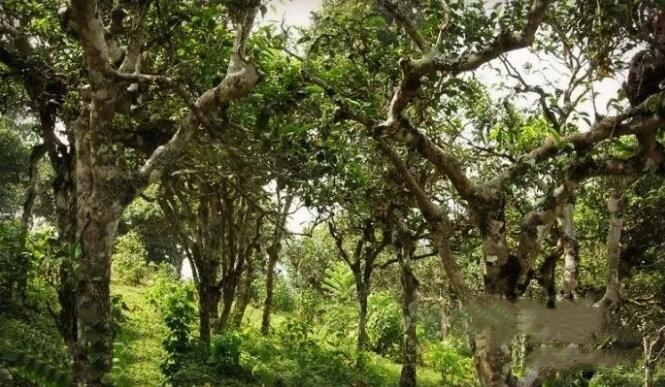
[(129, 259), (13, 260), (149, 221), (620, 376), (175, 301), (456, 369), (283, 297), (31, 349), (225, 351), (339, 282), (119, 311), (15, 163), (384, 325)]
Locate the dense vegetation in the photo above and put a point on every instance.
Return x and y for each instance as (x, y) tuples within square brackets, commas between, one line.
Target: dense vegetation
[(425, 192)]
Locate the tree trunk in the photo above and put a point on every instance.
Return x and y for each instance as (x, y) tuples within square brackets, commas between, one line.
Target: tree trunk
[(492, 354), (648, 375), (228, 294), (362, 294), (445, 324), (267, 304), (409, 305), (615, 209), (273, 256), (245, 295), (208, 302), (97, 223), (26, 219), (65, 214), (570, 253), (492, 360)]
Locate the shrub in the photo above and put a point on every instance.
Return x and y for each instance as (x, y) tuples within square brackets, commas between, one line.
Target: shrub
[(175, 301), (225, 351), (284, 300), (456, 369), (118, 315), (384, 325), (12, 260), (129, 259)]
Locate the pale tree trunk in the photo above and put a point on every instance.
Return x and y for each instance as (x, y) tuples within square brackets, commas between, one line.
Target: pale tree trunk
[(648, 366), (648, 375), (101, 194), (409, 306), (445, 324), (653, 351), (273, 256), (615, 209), (570, 253)]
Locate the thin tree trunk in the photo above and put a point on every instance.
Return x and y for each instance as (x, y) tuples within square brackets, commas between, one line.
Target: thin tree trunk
[(362, 295), (26, 219), (228, 295), (615, 209), (648, 375), (409, 306), (273, 256), (245, 294), (267, 304), (570, 253)]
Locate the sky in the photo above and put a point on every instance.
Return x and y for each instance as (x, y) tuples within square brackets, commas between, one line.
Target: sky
[(295, 12)]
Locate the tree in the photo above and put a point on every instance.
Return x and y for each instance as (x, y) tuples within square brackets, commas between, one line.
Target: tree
[(104, 182), (485, 198), (283, 206)]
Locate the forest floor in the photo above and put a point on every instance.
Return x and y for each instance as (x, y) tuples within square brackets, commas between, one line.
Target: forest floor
[(138, 347)]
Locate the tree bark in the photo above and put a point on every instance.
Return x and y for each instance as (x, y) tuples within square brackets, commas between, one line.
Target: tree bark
[(245, 294), (409, 306), (228, 296), (98, 221), (362, 293), (648, 375), (570, 253), (208, 302), (492, 357), (615, 209), (493, 360), (267, 304)]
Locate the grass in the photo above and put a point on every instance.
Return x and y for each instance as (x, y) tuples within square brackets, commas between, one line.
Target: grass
[(138, 347)]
